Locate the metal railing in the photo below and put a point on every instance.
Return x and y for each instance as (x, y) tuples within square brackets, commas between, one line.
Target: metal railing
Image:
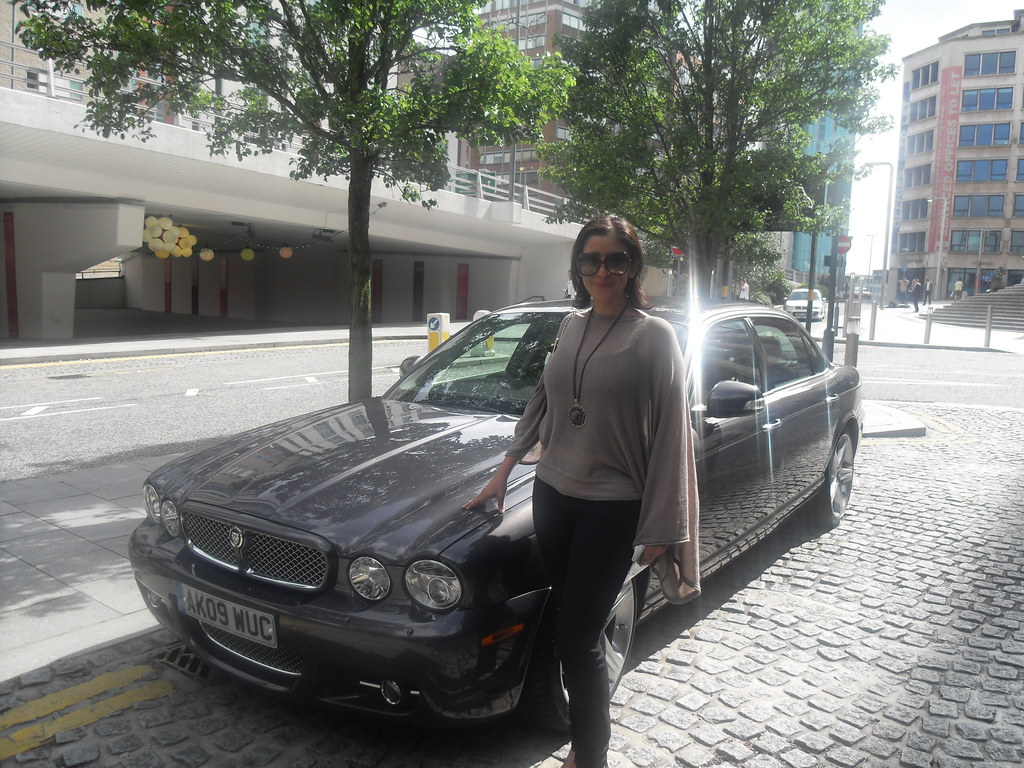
[(22, 69)]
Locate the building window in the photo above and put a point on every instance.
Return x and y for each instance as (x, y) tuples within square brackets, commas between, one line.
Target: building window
[(35, 80), (981, 170), (925, 75), (984, 99), (985, 135), (1018, 206), (537, 41), (912, 242), (977, 205), (968, 240), (1001, 63), (918, 176), (1017, 241), (925, 108), (925, 142), (915, 209), (572, 21)]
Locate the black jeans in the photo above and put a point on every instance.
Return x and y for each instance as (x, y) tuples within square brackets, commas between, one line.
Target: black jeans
[(586, 547)]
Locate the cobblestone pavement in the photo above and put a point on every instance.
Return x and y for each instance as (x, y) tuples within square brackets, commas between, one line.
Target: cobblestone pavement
[(895, 640)]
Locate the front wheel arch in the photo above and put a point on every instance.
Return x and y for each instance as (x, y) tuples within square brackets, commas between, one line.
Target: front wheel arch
[(544, 699)]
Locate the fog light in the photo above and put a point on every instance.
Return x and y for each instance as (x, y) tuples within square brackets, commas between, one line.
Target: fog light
[(392, 692)]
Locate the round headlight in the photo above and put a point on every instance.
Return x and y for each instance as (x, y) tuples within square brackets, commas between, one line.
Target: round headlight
[(433, 585), (152, 503), (369, 578), (171, 518)]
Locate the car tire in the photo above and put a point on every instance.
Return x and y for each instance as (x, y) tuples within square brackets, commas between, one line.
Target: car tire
[(544, 700), (831, 500)]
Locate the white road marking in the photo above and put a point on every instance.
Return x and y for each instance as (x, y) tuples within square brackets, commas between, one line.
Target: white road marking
[(930, 381), (285, 386), (191, 392), (283, 378), (53, 402), (33, 411), (76, 410)]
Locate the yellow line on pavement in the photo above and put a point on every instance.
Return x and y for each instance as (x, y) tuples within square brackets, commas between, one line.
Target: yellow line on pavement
[(86, 360), (55, 702), (36, 735)]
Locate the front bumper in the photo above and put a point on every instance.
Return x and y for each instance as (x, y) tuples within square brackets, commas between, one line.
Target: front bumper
[(394, 660)]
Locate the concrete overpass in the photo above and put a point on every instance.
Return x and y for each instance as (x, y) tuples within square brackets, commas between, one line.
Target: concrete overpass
[(70, 199)]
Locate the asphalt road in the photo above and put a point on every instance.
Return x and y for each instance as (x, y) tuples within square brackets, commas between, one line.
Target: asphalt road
[(61, 416)]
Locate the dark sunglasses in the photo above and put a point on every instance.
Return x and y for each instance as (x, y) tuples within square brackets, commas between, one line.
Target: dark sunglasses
[(588, 264)]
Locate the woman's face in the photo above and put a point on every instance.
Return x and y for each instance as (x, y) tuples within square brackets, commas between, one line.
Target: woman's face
[(605, 287)]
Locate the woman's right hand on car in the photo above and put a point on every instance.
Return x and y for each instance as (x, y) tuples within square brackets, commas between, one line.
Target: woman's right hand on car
[(496, 487)]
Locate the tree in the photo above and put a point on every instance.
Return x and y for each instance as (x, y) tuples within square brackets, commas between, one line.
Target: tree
[(372, 88), (687, 115)]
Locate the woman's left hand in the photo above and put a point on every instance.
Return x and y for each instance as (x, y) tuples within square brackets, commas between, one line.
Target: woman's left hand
[(651, 553)]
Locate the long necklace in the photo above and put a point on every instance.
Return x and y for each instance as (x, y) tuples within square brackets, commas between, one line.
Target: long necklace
[(577, 413)]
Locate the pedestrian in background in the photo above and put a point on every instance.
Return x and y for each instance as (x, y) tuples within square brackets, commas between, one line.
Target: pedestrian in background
[(958, 290), (616, 469), (744, 290), (928, 287), (915, 294)]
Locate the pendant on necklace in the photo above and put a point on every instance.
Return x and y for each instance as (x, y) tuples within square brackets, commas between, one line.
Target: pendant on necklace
[(577, 416)]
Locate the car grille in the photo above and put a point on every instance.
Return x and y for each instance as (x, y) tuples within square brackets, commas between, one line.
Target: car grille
[(279, 659), (262, 555)]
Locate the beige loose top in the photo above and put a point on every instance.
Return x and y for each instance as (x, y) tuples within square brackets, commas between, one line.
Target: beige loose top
[(636, 442)]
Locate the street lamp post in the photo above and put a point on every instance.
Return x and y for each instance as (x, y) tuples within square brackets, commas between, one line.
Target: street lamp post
[(888, 224)]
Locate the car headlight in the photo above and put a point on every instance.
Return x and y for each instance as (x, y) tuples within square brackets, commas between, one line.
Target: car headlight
[(171, 518), (369, 578), (152, 502), (433, 585)]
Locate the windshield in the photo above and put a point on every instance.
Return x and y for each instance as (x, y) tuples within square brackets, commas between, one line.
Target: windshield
[(802, 296), (493, 365)]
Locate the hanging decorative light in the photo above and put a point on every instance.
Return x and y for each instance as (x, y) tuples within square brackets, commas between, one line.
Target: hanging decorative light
[(248, 254), (286, 252), (206, 254)]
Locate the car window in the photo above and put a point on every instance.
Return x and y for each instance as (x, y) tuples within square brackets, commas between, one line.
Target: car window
[(789, 354), (727, 355), (493, 365)]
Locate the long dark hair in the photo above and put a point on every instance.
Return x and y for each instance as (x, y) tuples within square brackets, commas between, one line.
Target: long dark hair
[(625, 233)]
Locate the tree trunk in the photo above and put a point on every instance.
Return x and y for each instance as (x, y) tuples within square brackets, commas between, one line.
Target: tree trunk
[(360, 348)]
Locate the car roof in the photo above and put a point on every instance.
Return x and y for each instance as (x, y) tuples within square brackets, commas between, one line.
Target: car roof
[(676, 309)]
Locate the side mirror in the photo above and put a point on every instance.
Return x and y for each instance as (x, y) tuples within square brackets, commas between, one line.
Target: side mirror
[(733, 398), (408, 364)]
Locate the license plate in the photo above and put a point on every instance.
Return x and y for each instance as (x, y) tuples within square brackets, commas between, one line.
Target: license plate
[(236, 619)]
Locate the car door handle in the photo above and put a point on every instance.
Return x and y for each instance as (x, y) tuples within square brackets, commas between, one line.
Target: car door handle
[(831, 398), (771, 425)]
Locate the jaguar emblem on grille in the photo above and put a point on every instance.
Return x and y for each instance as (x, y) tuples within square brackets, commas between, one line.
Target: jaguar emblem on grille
[(236, 537)]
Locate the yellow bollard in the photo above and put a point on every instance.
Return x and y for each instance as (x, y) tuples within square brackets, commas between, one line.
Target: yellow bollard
[(438, 325)]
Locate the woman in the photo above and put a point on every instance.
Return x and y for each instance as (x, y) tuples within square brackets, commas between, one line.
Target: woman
[(616, 470)]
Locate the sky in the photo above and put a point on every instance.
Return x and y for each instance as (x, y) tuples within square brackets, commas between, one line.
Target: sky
[(911, 25)]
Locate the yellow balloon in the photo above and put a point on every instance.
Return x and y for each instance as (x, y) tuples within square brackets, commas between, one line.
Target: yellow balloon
[(150, 221), (186, 252), (162, 254), (165, 222), (182, 231), (192, 239), (248, 254)]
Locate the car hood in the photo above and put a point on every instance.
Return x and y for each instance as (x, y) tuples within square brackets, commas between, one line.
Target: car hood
[(378, 476)]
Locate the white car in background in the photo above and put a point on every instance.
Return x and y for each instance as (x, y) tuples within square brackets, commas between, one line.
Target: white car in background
[(796, 304)]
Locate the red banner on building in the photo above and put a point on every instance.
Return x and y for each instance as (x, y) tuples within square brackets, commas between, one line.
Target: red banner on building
[(947, 136)]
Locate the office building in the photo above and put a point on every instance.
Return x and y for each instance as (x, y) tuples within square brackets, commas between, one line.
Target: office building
[(959, 199)]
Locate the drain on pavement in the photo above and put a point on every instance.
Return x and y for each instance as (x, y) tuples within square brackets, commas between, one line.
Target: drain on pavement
[(181, 658)]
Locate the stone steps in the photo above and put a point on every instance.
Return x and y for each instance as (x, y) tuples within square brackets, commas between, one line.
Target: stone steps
[(1007, 310)]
